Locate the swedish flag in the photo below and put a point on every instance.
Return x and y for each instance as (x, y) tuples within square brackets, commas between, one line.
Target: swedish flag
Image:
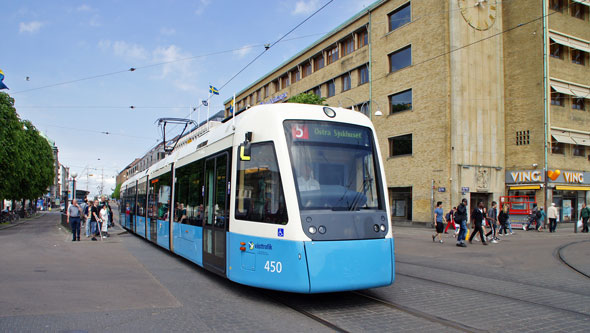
[(2, 85), (213, 90)]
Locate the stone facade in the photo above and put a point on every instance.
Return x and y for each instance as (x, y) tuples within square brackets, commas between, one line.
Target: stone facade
[(475, 79)]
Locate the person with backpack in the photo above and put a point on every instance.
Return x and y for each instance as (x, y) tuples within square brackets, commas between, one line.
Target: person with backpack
[(493, 220), (450, 221), (585, 215), (461, 219)]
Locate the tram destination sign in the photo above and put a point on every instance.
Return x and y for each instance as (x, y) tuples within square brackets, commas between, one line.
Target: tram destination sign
[(329, 133)]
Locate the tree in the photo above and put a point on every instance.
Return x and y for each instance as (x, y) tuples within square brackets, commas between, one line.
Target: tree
[(26, 163), (10, 136), (307, 98), (117, 192)]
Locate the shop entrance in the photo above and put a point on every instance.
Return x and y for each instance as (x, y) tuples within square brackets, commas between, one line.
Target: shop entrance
[(568, 204), (400, 201)]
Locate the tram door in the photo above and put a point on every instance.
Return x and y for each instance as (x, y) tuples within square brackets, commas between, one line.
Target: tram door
[(216, 212)]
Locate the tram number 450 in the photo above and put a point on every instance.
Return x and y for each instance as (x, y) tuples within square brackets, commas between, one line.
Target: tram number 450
[(273, 266)]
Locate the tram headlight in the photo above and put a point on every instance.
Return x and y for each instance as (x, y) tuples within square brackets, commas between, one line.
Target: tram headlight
[(383, 227), (376, 228), (322, 229), (312, 230)]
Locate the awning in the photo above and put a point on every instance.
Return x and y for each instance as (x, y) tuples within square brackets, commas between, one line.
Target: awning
[(581, 139), (572, 188), (570, 89), (578, 44), (583, 2), (563, 138), (525, 187)]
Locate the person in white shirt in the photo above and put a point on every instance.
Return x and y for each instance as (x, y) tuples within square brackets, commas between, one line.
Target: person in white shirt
[(104, 218), (552, 216), (306, 182)]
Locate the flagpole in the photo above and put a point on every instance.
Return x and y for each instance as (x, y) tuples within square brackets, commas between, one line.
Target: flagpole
[(198, 119), (233, 107), (208, 103)]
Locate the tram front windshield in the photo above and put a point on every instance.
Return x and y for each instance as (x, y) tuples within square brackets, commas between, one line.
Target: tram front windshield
[(334, 165)]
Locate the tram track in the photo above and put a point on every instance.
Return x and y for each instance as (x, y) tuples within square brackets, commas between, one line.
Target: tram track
[(494, 294), (560, 257)]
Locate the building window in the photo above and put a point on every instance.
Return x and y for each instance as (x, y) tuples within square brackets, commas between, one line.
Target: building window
[(346, 82), (401, 101), (523, 138), (305, 70), (400, 59), (578, 103), (579, 150), (277, 85), (363, 108), (333, 55), (556, 50), (578, 56), (556, 5), (317, 91), (331, 88), (400, 145), (295, 76), (557, 147), (362, 38), (284, 81), (363, 74), (266, 91), (557, 98), (318, 62), (400, 16), (347, 47), (258, 96), (577, 10)]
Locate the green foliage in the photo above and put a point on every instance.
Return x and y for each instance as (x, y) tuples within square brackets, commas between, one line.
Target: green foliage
[(26, 163), (307, 98), (117, 192)]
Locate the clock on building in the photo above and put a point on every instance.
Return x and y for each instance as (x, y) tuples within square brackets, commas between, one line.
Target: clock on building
[(479, 14)]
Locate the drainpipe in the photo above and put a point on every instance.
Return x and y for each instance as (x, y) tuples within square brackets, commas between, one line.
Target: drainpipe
[(545, 101), (370, 67)]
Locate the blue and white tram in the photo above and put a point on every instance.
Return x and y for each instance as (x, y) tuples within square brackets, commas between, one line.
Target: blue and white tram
[(288, 197)]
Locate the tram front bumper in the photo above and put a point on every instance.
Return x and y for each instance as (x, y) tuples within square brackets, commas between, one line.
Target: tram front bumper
[(349, 265)]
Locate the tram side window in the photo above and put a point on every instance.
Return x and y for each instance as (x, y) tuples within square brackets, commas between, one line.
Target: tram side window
[(188, 194), (141, 196), (131, 199), (161, 192), (259, 194)]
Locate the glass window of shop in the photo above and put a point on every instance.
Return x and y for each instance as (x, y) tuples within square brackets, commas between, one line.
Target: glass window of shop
[(569, 204)]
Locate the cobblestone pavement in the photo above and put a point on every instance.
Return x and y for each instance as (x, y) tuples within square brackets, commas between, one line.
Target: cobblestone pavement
[(125, 284)]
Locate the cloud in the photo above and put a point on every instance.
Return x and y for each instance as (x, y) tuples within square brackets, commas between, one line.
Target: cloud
[(95, 21), (243, 51), (201, 7), (124, 50), (30, 27), (84, 8), (181, 73), (167, 31), (305, 7)]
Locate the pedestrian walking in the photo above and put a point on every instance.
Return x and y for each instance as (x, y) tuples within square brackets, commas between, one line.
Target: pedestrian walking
[(493, 221), (86, 216), (439, 221), (552, 216), (73, 218), (585, 214), (503, 219), (478, 216), (94, 218), (461, 219), (104, 219), (533, 217), (451, 221), (541, 219)]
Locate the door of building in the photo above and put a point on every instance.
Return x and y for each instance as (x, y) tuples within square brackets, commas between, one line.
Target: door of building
[(477, 197)]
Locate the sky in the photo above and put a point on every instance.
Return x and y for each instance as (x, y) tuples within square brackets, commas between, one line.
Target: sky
[(67, 64)]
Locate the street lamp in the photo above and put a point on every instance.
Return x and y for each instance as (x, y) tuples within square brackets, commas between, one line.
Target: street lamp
[(378, 113), (353, 102), (74, 175)]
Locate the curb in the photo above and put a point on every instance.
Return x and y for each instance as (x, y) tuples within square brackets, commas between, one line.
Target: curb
[(21, 221)]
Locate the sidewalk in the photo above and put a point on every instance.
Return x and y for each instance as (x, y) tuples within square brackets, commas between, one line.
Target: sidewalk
[(44, 272)]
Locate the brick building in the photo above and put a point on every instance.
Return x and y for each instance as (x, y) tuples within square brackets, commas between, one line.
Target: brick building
[(467, 111)]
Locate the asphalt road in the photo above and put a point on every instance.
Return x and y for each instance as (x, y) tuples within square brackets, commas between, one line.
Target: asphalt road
[(124, 284)]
